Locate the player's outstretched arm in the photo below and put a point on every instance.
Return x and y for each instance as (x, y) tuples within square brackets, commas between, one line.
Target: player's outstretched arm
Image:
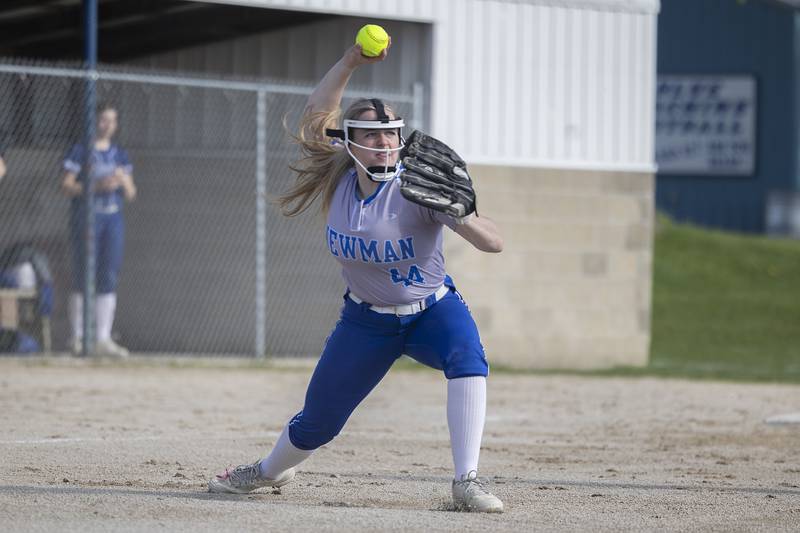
[(328, 95), (482, 233)]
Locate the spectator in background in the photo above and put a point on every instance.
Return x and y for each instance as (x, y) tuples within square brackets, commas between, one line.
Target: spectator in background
[(110, 176)]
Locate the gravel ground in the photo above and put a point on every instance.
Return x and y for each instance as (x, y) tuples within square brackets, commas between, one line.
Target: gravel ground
[(91, 446)]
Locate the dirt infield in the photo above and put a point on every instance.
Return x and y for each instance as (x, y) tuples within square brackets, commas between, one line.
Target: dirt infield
[(105, 447)]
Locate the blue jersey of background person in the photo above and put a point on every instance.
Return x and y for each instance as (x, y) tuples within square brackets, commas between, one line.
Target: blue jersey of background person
[(102, 163)]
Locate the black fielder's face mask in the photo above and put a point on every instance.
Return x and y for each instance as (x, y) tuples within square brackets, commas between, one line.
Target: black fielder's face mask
[(379, 173)]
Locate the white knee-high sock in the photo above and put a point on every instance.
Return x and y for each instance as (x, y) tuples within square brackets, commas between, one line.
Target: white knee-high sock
[(466, 413), (75, 313), (106, 307), (282, 457)]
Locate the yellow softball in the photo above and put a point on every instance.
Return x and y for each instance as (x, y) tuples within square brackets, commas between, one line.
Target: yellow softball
[(373, 39)]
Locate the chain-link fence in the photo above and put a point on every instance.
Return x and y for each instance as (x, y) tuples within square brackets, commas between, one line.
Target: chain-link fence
[(210, 266)]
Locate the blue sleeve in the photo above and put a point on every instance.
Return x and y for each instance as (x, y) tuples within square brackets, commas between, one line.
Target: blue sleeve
[(74, 159)]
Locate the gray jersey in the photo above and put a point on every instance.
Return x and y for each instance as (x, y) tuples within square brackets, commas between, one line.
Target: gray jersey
[(390, 249)]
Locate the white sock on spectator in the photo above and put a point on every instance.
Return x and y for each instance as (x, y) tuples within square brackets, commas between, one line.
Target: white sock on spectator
[(75, 312), (106, 306)]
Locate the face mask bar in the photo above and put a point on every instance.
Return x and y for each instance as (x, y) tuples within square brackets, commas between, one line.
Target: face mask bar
[(375, 173)]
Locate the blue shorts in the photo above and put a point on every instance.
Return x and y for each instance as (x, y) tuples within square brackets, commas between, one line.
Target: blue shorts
[(109, 245), (364, 345)]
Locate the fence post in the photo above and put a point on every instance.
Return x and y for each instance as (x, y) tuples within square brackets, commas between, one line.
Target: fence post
[(261, 224), (90, 101)]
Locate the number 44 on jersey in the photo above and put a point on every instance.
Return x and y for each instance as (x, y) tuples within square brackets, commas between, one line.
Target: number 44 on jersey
[(413, 276)]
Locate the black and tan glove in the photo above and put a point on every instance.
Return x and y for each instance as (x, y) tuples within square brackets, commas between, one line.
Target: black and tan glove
[(435, 176)]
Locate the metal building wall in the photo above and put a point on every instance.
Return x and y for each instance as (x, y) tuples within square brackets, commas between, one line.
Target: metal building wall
[(560, 86), (551, 103), (725, 37), (577, 76), (303, 54)]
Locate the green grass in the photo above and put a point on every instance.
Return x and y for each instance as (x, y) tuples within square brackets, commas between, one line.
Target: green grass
[(725, 305)]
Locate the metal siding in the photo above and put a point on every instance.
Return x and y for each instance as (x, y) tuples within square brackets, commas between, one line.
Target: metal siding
[(623, 94), (617, 84), (557, 86), (438, 84), (474, 86), (649, 89), (593, 89), (536, 83), (491, 33), (542, 76), (551, 77), (639, 81), (607, 39), (489, 60), (633, 87), (576, 114), (305, 55), (525, 130), (513, 92), (460, 110)]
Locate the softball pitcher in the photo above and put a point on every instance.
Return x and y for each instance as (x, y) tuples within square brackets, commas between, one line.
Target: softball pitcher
[(387, 201)]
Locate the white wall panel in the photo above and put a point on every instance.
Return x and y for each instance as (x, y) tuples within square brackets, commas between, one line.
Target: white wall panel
[(542, 76), (498, 45), (555, 83), (622, 94), (575, 87), (649, 89), (590, 110), (555, 112), (636, 51), (608, 75), (461, 42), (525, 133)]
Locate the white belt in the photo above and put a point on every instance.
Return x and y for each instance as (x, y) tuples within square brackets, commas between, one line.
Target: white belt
[(407, 309)]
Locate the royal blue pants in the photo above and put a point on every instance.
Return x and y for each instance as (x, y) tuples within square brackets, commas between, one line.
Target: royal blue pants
[(109, 245), (364, 345)]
